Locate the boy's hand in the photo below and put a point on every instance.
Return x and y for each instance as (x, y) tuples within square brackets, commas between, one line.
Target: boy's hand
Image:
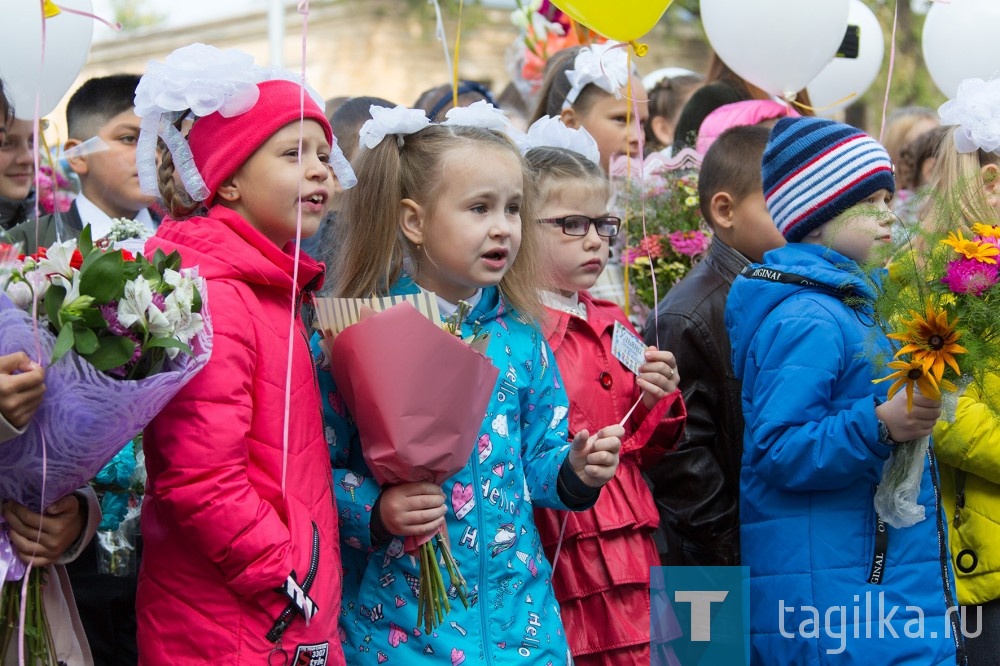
[(906, 425), (658, 376), (61, 526), (595, 458), (22, 386), (412, 509)]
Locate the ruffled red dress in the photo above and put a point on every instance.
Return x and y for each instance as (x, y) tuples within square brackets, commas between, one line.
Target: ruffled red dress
[(602, 575)]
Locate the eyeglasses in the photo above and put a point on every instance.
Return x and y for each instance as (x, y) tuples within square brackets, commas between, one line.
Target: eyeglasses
[(579, 225)]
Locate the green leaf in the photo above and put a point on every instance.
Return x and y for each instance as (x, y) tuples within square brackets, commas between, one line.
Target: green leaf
[(85, 340), (86, 242), (53, 302), (112, 351), (92, 318), (63, 344), (167, 343), (102, 278)]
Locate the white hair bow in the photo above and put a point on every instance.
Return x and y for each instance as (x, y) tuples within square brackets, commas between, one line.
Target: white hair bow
[(976, 112)]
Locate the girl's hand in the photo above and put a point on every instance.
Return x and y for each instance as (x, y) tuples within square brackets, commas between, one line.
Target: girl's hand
[(658, 376), (905, 424), (21, 393), (61, 526), (412, 509), (595, 458)]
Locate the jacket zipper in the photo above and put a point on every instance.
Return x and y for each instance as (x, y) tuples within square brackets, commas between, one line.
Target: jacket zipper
[(956, 629), (286, 617)]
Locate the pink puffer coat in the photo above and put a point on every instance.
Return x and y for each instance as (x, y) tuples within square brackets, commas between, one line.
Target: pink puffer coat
[(220, 537)]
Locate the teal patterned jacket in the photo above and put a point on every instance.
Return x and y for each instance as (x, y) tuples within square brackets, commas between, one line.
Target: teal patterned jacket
[(513, 616)]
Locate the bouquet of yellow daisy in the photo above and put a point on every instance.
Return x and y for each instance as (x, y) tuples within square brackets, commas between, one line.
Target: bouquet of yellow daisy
[(943, 309)]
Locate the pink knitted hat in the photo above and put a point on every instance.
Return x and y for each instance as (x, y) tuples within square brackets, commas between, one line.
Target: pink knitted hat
[(221, 145), (739, 114)]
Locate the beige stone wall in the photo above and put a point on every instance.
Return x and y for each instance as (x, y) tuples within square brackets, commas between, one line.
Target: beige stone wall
[(366, 47)]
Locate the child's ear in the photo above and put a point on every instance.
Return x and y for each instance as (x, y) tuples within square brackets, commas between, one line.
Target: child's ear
[(662, 130), (77, 163), (723, 210), (570, 118), (228, 192), (411, 221), (991, 183)]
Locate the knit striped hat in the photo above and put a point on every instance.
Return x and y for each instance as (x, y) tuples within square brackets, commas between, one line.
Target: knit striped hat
[(814, 169)]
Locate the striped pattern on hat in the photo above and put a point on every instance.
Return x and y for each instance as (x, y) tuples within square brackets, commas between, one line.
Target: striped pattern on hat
[(814, 169)]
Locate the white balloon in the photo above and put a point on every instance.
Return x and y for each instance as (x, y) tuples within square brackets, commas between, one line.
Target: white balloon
[(777, 45), (844, 76), (960, 42), (67, 43)]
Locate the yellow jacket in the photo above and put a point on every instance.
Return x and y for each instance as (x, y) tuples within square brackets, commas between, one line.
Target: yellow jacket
[(969, 453)]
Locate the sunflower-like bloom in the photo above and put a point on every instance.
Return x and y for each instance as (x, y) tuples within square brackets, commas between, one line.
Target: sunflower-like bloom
[(932, 340), (972, 249), (986, 230), (910, 373)]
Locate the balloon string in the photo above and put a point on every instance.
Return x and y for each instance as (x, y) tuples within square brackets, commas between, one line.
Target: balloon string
[(806, 107), (441, 35), (454, 67), (303, 9), (892, 63), (116, 26), (628, 89)]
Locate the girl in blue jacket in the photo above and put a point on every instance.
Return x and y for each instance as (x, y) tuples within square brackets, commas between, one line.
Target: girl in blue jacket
[(453, 202)]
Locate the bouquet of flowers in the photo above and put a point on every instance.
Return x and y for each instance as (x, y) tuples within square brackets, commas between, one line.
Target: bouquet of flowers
[(55, 193), (544, 30), (384, 393), (665, 234), (120, 334), (943, 307)]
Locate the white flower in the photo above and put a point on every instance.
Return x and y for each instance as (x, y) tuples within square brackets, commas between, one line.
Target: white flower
[(123, 228), (976, 111), (551, 132), (136, 300), (202, 78), (19, 294), (56, 261), (604, 65), (183, 284), (397, 120), (73, 299)]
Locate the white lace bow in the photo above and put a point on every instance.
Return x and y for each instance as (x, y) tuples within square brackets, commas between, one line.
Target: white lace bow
[(551, 132), (975, 110), (604, 65), (398, 120)]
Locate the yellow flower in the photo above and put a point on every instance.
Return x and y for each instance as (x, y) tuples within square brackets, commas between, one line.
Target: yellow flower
[(986, 230), (910, 373), (932, 340), (691, 202), (971, 249), (948, 299)]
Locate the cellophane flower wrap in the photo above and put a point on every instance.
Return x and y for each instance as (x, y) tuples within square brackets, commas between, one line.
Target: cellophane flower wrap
[(418, 395), (941, 306), (658, 199), (119, 336)]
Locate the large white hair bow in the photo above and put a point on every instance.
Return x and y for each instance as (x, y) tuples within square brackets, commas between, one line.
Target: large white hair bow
[(604, 65), (551, 132), (384, 121), (976, 111)]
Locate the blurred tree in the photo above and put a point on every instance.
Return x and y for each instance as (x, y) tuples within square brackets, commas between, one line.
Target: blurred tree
[(134, 15)]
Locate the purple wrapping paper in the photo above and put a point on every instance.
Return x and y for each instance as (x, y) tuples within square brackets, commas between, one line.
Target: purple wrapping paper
[(85, 418)]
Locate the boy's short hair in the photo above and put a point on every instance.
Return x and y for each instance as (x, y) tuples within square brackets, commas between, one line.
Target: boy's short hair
[(732, 165), (97, 101), (815, 169), (348, 119)]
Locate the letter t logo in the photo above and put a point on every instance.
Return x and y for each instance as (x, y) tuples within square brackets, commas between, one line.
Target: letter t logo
[(701, 606)]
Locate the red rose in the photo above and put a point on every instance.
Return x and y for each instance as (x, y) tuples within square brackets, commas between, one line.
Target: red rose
[(128, 256), (76, 260)]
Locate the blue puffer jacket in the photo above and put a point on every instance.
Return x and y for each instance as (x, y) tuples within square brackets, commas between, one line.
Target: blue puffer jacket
[(513, 615), (811, 462)]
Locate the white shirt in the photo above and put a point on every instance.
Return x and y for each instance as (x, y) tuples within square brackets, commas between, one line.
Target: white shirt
[(100, 222), (570, 304), (447, 308)]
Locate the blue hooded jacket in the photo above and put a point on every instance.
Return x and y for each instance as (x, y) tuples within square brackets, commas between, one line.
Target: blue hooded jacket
[(513, 615), (825, 573)]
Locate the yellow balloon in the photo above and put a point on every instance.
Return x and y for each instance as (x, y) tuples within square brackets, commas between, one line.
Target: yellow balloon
[(622, 20)]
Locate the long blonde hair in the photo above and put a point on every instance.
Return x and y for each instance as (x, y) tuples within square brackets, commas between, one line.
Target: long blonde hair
[(957, 186), (372, 249)]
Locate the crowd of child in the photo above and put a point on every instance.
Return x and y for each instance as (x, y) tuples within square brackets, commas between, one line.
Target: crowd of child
[(749, 432)]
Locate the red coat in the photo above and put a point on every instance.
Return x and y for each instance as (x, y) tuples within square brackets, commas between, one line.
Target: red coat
[(219, 537), (602, 576)]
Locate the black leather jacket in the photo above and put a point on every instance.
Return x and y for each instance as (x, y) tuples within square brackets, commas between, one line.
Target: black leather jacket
[(696, 486)]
